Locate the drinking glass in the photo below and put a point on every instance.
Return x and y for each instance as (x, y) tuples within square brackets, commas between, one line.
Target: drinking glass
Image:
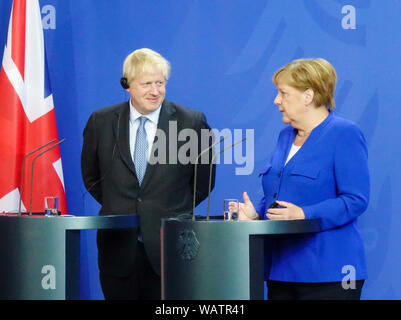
[(231, 208), (51, 206)]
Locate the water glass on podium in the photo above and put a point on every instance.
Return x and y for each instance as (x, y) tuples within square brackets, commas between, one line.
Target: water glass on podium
[(231, 208), (51, 206)]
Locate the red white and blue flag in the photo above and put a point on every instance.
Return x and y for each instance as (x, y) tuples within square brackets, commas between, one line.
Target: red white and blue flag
[(27, 118)]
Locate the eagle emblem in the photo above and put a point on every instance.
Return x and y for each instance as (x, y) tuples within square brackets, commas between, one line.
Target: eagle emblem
[(187, 245)]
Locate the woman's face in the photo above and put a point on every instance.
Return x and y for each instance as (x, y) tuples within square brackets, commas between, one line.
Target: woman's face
[(290, 102)]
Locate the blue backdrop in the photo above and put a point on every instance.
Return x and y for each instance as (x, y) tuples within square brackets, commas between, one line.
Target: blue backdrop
[(223, 55)]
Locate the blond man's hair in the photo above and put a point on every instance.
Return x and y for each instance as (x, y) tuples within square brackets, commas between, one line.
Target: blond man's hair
[(145, 61)]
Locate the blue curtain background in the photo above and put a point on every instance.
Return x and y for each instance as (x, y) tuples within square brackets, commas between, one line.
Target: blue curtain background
[(223, 55)]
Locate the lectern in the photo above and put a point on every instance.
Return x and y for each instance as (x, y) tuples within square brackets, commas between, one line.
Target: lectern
[(219, 260), (40, 255)]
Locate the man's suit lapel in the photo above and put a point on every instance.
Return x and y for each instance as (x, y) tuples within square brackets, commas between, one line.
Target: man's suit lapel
[(167, 113), (121, 131)]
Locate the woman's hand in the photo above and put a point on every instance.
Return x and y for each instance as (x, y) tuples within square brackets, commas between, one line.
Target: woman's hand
[(289, 212), (247, 210)]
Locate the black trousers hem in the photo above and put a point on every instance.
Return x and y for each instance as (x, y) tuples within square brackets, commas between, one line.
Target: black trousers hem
[(143, 283)]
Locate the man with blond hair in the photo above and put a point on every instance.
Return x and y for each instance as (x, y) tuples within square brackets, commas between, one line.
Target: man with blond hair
[(118, 171)]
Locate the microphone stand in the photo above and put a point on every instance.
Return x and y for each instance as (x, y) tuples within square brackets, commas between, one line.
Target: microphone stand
[(33, 163), (22, 172), (210, 174), (195, 173)]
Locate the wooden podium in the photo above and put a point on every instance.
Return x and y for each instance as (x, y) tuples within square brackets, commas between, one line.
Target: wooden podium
[(40, 255), (219, 260)]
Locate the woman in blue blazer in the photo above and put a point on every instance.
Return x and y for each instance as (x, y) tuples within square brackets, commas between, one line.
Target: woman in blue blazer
[(319, 169)]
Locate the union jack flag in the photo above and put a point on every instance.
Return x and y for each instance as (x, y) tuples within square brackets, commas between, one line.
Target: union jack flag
[(27, 118)]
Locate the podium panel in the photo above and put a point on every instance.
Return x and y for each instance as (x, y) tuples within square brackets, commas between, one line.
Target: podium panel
[(40, 256), (219, 260)]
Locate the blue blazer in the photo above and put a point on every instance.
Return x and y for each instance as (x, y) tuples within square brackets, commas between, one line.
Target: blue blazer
[(329, 179)]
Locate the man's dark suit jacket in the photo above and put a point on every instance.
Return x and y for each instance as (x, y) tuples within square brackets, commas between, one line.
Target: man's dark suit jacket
[(166, 190)]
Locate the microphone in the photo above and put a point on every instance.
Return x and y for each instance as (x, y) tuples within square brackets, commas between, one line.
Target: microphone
[(195, 173), (33, 163), (22, 172), (210, 174)]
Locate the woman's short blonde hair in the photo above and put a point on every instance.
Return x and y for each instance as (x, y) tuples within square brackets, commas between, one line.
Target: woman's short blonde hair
[(316, 74), (144, 61)]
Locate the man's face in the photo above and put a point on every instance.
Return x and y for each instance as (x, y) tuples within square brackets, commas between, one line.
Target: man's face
[(147, 91)]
